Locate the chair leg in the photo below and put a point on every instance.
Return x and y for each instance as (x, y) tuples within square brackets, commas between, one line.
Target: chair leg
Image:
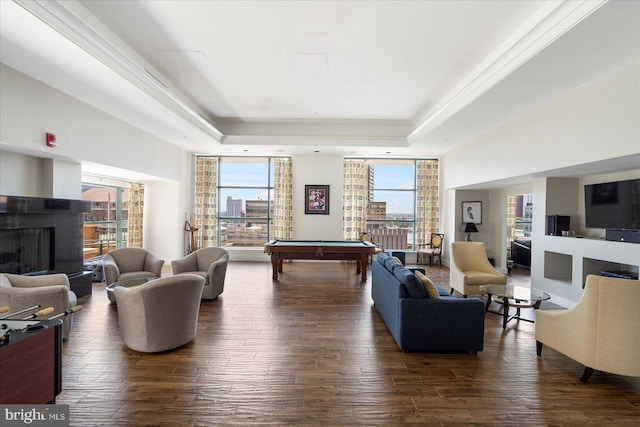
[(538, 348), (586, 374)]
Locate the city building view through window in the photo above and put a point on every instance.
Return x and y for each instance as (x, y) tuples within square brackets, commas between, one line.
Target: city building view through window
[(245, 194), (523, 215), (391, 204), (105, 227)]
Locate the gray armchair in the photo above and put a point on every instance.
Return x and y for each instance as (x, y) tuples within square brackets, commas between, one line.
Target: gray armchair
[(209, 263), (50, 290), (161, 314), (131, 263)]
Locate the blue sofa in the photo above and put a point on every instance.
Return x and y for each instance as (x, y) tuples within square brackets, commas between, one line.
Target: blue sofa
[(419, 323)]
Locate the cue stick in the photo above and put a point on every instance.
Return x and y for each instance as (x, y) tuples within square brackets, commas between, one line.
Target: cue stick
[(39, 313), (67, 312), (20, 312)]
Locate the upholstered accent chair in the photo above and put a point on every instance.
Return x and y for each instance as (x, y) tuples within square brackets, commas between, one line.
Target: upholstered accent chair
[(601, 331), (50, 290), (432, 250), (131, 263), (159, 315), (470, 268), (210, 263)]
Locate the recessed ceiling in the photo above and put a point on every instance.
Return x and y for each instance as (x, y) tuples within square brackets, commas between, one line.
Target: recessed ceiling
[(406, 77)]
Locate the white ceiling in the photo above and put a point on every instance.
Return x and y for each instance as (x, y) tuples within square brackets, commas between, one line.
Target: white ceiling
[(350, 77)]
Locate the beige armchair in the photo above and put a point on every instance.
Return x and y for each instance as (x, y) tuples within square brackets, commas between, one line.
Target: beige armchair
[(161, 314), (131, 263), (601, 331), (50, 290), (209, 263), (470, 268)]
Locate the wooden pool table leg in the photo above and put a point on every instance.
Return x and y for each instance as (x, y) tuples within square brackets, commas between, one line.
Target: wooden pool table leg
[(363, 266), (275, 264)]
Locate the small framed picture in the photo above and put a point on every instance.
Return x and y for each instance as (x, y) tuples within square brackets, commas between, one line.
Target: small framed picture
[(472, 212), (316, 199)]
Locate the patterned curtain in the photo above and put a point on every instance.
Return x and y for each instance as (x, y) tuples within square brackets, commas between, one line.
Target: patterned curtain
[(282, 199), (136, 210), (354, 199), (511, 219), (206, 203), (428, 215)]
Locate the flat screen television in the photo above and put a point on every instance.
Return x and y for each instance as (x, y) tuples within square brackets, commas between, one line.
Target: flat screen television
[(613, 205)]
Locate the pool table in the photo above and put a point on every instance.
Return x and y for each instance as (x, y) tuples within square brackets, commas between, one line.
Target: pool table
[(356, 250)]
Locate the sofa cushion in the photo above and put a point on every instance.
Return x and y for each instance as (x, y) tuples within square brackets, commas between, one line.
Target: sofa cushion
[(442, 292), (382, 256), (391, 263), (429, 286), (410, 282)]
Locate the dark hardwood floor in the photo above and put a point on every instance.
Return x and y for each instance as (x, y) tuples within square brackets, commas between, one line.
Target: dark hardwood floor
[(312, 350)]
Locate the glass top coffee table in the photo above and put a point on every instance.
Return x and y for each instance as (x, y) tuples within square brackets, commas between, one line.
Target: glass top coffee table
[(513, 296), (126, 283)]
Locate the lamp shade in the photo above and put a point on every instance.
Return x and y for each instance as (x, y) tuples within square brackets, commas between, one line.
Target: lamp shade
[(469, 227)]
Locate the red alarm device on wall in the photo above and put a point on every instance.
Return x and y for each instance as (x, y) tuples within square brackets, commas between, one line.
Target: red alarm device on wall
[(51, 140)]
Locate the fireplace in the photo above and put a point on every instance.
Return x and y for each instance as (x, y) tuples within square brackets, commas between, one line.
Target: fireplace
[(44, 235), (27, 250)]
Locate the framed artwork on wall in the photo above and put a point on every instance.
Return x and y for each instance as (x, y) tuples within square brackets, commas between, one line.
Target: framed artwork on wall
[(472, 212), (316, 199)]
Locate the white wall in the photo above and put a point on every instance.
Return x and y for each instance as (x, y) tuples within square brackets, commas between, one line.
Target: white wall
[(63, 179), (317, 169), (597, 121), (21, 175), (29, 109), (163, 222)]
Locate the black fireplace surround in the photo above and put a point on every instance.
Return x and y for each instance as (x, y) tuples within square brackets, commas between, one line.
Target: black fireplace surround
[(44, 236)]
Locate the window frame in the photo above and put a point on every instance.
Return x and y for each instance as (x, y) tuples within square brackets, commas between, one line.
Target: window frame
[(372, 161), (269, 188)]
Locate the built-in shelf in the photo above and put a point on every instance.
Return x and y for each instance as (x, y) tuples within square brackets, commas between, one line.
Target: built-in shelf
[(598, 266), (558, 267)]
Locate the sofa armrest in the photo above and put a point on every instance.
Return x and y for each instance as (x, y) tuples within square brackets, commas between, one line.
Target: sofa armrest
[(442, 324), (45, 280)]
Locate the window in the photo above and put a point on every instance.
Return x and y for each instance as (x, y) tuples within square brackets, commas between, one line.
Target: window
[(391, 206), (105, 227), (245, 195)]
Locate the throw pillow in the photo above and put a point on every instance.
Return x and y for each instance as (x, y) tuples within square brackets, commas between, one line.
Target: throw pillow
[(398, 259), (410, 282), (429, 286)]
